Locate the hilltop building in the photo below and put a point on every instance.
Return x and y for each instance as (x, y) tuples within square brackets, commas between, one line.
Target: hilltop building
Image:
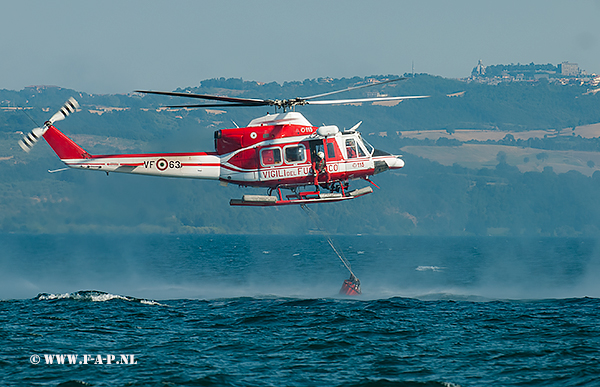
[(564, 73), (479, 70), (569, 69)]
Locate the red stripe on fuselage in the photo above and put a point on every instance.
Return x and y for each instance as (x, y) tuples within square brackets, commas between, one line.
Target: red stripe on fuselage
[(157, 155), (201, 164)]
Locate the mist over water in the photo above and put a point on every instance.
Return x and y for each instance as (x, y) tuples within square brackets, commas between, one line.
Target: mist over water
[(224, 266), (244, 310)]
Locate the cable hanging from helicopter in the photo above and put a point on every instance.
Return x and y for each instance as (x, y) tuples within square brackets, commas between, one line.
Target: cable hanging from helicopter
[(351, 286)]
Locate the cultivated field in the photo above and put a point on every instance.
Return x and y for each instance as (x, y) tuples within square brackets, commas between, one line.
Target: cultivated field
[(526, 159), (587, 131)]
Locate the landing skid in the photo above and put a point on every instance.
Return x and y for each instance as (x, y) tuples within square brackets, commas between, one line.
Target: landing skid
[(298, 198)]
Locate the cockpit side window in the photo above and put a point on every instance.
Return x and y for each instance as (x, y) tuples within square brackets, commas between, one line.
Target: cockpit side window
[(369, 147), (351, 148), (361, 153)]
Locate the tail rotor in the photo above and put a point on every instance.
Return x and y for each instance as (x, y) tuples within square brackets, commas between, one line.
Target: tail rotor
[(69, 107), (29, 140)]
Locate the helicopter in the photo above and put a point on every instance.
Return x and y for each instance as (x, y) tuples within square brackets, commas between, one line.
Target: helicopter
[(281, 151)]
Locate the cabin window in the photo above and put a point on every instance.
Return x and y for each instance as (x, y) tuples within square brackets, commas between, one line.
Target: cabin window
[(294, 154), (270, 156), (330, 150), (351, 148)]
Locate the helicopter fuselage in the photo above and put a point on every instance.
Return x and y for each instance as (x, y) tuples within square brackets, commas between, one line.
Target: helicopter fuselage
[(274, 151)]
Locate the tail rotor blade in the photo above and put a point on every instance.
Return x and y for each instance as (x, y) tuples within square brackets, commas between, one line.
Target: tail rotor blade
[(29, 140), (69, 107)]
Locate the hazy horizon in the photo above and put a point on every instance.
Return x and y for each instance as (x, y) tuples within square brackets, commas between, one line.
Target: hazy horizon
[(117, 47)]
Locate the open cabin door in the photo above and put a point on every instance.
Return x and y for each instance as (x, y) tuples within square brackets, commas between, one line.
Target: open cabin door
[(316, 146), (332, 150), (328, 146)]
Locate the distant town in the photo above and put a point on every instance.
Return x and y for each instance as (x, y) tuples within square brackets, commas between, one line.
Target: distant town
[(565, 73)]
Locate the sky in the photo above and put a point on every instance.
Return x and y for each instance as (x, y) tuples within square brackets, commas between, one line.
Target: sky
[(109, 47)]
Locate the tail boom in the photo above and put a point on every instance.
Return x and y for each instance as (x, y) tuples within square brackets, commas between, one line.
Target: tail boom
[(200, 165)]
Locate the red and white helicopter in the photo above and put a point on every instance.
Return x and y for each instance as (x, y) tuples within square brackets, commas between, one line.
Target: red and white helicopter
[(276, 151)]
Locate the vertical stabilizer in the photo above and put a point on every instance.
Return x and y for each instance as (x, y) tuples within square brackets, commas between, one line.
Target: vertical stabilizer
[(64, 147)]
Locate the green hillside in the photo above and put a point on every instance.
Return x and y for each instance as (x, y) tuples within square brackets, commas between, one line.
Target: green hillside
[(448, 187)]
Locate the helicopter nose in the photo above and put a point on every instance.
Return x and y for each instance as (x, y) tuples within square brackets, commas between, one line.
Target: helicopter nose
[(395, 163)]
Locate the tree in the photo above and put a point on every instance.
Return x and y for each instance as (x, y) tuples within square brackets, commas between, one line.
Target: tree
[(543, 156), (501, 157)]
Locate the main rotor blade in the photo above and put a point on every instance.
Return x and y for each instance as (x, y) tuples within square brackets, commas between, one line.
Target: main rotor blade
[(358, 100), (203, 96), (284, 104), (219, 105), (354, 88)]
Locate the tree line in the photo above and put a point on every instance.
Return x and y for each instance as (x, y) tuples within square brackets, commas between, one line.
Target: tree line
[(424, 198)]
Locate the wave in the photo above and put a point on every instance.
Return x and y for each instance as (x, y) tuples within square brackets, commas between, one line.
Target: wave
[(100, 296), (401, 383), (429, 268), (93, 296)]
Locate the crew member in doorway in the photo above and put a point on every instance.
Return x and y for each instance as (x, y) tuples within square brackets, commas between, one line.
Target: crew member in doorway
[(319, 168)]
